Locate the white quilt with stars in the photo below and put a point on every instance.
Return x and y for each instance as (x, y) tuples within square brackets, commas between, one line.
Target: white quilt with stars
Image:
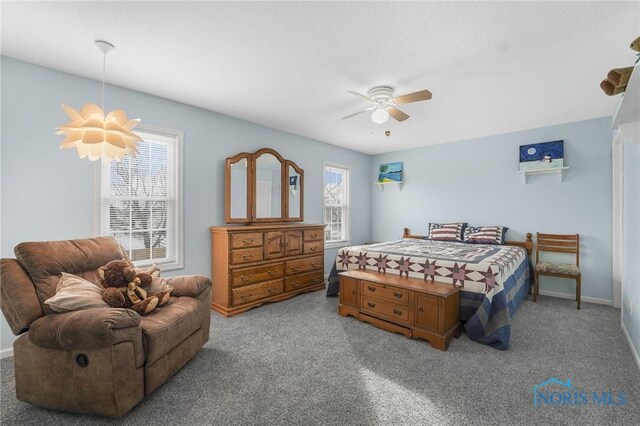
[(477, 268)]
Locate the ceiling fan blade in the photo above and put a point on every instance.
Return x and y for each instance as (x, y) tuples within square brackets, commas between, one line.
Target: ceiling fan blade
[(359, 112), (397, 114), (422, 95), (366, 98), (354, 114)]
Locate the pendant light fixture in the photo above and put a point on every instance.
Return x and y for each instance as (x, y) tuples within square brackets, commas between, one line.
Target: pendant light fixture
[(95, 135)]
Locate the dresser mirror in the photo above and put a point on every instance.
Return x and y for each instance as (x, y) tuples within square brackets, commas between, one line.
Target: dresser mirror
[(294, 179), (268, 187), (238, 188), (263, 187)]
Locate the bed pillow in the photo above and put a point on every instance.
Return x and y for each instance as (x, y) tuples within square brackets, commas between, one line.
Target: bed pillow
[(485, 234), (74, 293), (446, 231)]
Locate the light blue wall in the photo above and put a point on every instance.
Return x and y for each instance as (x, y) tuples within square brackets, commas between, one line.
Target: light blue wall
[(47, 193), (475, 181), (631, 250)]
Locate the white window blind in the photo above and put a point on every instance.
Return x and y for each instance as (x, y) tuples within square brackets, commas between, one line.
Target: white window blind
[(336, 204), (141, 201)]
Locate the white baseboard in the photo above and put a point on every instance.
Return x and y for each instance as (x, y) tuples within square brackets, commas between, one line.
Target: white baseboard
[(631, 346), (6, 353), (573, 297)]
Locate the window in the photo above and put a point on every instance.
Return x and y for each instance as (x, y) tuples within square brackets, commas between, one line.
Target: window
[(141, 200), (336, 204)]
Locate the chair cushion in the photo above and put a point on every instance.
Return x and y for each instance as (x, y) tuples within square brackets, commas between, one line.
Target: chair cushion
[(46, 261), (167, 326), (558, 268)]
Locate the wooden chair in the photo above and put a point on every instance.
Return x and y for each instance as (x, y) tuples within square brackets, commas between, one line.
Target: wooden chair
[(559, 244)]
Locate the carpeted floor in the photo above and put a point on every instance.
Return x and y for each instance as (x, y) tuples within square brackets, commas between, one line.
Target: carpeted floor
[(299, 362)]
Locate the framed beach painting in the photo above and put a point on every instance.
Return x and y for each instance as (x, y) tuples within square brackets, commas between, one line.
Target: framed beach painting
[(546, 155), (390, 172)]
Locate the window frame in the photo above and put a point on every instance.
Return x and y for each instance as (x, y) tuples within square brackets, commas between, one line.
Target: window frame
[(347, 208), (98, 214)]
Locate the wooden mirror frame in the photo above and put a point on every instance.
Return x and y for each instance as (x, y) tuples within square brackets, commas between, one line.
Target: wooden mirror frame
[(227, 187), (251, 188), (283, 187), (289, 163)]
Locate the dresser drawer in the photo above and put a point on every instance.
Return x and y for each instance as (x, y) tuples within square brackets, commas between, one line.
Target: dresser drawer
[(296, 282), (254, 292), (398, 314), (303, 265), (255, 274), (252, 239), (314, 247), (239, 256), (313, 234), (398, 296)]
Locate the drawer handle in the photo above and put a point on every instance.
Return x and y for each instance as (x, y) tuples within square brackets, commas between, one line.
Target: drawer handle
[(371, 304), (315, 280), (272, 272), (295, 269), (314, 235), (247, 242), (315, 264), (246, 277), (245, 297), (397, 312), (397, 295), (247, 256), (271, 289), (353, 292), (371, 288), (420, 309), (313, 248)]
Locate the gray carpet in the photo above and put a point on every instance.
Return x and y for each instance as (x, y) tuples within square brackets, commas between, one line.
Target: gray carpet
[(299, 362)]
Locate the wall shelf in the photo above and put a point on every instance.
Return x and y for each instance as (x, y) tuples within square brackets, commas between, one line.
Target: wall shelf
[(383, 184), (627, 116), (557, 170)]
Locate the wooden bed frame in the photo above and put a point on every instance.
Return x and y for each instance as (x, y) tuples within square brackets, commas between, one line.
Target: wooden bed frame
[(527, 244)]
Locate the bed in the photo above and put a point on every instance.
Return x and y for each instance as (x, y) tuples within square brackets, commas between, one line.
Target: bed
[(494, 279)]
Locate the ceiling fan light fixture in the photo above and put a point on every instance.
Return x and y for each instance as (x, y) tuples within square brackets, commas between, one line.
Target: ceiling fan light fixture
[(380, 116)]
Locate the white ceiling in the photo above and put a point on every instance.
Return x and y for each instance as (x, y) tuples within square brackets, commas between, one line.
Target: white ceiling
[(493, 67)]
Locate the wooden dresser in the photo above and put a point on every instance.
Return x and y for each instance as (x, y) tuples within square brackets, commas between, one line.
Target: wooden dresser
[(410, 306), (255, 264)]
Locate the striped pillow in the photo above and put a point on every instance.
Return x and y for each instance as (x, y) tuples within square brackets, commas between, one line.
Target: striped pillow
[(446, 231), (485, 234)]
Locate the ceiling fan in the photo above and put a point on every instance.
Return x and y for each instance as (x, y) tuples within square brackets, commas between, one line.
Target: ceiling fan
[(383, 103)]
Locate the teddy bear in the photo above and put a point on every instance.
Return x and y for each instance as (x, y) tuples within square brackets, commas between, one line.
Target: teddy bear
[(157, 285), (617, 78), (124, 287)]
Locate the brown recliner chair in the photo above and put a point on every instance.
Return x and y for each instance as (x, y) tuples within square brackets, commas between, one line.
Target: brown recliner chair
[(99, 361)]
